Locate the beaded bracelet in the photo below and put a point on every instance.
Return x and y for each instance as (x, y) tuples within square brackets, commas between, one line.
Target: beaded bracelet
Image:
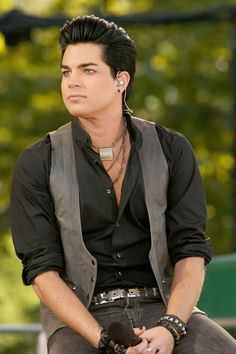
[(106, 345), (175, 326)]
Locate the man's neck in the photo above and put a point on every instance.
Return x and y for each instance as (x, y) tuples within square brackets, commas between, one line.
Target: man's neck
[(103, 130)]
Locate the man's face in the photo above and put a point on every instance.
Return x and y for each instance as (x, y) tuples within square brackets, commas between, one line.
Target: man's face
[(88, 88)]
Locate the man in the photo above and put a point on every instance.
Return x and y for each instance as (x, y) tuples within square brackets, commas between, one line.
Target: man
[(108, 213)]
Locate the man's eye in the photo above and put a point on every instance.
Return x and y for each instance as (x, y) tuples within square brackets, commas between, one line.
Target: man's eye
[(66, 73), (89, 71)]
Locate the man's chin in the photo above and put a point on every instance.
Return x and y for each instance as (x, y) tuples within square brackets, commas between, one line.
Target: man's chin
[(82, 113), (77, 113)]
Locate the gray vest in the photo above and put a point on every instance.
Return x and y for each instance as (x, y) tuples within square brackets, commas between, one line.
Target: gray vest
[(80, 266)]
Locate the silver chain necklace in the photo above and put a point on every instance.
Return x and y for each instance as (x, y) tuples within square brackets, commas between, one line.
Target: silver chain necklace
[(106, 153)]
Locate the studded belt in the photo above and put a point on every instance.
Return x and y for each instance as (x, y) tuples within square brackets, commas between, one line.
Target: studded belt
[(116, 294)]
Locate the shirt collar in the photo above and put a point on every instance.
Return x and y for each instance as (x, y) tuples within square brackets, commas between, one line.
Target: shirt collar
[(79, 134), (82, 137), (135, 133)]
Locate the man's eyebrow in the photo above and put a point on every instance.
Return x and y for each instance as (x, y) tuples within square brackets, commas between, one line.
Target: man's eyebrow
[(80, 65)]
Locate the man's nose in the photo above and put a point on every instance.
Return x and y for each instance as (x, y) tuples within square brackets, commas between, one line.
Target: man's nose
[(74, 80)]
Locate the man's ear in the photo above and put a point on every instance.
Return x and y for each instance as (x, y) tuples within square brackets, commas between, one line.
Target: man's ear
[(123, 79)]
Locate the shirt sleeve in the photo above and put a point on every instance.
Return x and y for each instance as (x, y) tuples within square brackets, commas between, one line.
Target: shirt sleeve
[(186, 215), (34, 226)]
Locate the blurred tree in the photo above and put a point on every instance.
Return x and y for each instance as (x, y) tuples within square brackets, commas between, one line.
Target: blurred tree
[(183, 82)]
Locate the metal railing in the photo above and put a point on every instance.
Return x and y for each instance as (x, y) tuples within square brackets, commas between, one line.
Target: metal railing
[(36, 328), (33, 328)]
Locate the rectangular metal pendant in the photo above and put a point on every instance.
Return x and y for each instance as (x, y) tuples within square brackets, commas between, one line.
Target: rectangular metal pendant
[(106, 153)]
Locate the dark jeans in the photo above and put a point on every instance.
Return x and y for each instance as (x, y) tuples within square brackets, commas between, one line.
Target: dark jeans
[(204, 336)]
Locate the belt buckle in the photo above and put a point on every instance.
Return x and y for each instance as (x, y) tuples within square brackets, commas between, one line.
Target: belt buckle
[(116, 294), (151, 292), (133, 292), (102, 298)]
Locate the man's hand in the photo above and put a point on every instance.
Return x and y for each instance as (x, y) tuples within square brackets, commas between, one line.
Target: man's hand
[(155, 340)]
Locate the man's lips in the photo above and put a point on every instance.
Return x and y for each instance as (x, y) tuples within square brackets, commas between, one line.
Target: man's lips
[(75, 96)]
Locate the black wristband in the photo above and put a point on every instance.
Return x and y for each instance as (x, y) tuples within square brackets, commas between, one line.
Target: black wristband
[(119, 349), (104, 342), (177, 323), (107, 346), (174, 325), (171, 329)]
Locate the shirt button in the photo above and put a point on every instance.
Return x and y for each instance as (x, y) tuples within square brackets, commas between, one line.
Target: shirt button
[(119, 255), (108, 191), (92, 279), (120, 275), (117, 224)]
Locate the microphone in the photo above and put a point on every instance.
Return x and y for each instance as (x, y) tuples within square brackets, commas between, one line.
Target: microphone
[(123, 334)]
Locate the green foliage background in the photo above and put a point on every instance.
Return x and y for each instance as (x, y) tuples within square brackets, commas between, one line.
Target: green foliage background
[(183, 81)]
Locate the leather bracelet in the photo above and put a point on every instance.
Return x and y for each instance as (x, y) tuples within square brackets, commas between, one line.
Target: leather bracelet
[(175, 326), (106, 345), (177, 322), (171, 330), (104, 342), (119, 349)]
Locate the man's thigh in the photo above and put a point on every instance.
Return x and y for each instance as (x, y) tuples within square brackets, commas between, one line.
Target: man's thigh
[(205, 337), (134, 311), (66, 341)]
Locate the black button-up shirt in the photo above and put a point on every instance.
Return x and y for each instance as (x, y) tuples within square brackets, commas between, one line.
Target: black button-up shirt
[(118, 236)]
